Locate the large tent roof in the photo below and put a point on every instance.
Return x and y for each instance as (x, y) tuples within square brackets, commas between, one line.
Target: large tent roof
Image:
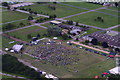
[(115, 70)]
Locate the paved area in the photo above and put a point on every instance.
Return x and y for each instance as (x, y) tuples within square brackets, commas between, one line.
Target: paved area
[(113, 27), (29, 13)]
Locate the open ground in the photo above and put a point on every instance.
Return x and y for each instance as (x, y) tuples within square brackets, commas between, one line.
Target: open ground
[(90, 64)]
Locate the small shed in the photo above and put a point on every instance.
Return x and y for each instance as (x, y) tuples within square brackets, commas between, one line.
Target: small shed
[(55, 22)]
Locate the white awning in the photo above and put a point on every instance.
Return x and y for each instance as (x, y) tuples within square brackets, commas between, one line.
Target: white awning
[(115, 70)]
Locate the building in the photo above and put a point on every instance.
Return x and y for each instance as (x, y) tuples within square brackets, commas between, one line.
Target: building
[(12, 7), (17, 47), (87, 38), (55, 22), (75, 31), (66, 26), (70, 27)]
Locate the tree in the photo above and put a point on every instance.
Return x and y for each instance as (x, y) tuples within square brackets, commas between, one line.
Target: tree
[(105, 45), (94, 41), (54, 2), (38, 35), (30, 18), (29, 36), (87, 41), (114, 77), (8, 27), (54, 16), (70, 22), (116, 4), (65, 36), (35, 13), (76, 24), (11, 64), (21, 24), (30, 12), (29, 9), (77, 39), (4, 4), (54, 31), (117, 49)]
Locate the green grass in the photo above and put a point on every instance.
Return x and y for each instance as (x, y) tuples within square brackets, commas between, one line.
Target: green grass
[(90, 65), (61, 10), (114, 8), (5, 42), (1, 8), (116, 29), (110, 12), (90, 31), (22, 34), (84, 5), (13, 15), (88, 19), (49, 25), (17, 24), (4, 76)]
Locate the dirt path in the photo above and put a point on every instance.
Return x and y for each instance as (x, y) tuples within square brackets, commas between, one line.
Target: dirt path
[(77, 43), (18, 40)]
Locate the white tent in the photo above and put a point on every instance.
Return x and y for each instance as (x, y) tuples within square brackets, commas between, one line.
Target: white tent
[(17, 47), (51, 76), (6, 49), (115, 70)]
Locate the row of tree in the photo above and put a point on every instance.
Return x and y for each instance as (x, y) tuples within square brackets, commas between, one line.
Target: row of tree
[(10, 64), (52, 7), (103, 44), (8, 27), (100, 19), (56, 31), (95, 42)]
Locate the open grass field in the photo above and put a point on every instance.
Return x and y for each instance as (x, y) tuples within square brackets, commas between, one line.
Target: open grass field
[(116, 29), (114, 8), (9, 16), (88, 19), (88, 66), (17, 24), (49, 25), (61, 10), (22, 34), (5, 42), (84, 5), (109, 12), (90, 31)]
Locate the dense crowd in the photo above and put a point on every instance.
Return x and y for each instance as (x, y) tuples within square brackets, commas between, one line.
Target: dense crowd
[(57, 54)]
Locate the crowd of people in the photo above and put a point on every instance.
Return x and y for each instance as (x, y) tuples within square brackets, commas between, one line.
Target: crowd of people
[(57, 54)]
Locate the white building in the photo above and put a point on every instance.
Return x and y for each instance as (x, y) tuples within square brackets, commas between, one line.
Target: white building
[(75, 31), (12, 7), (87, 38), (55, 22)]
